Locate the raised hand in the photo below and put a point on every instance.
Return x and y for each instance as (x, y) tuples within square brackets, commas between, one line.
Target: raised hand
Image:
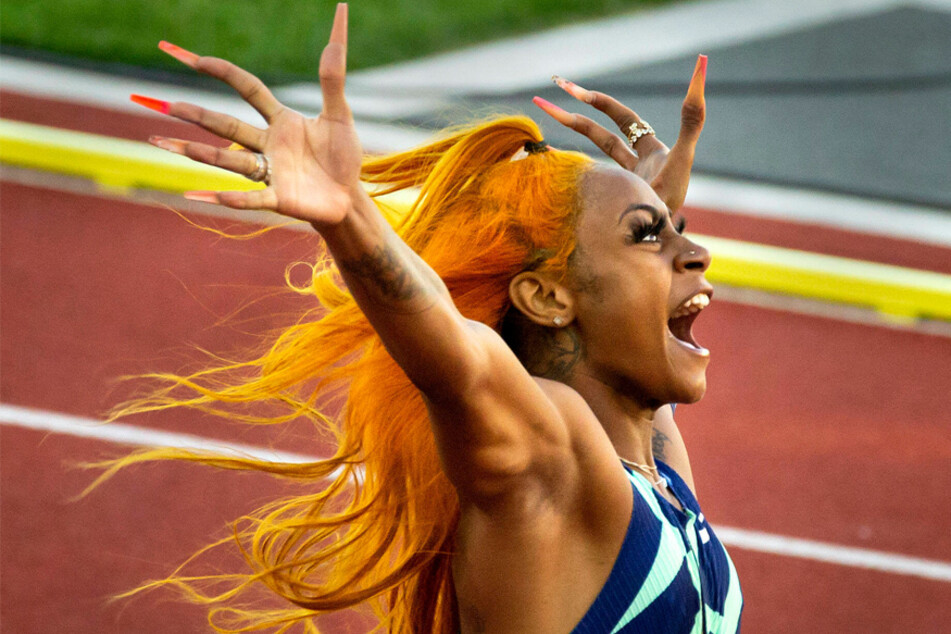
[(312, 165), (668, 171)]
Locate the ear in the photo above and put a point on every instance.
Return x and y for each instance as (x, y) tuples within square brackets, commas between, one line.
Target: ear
[(542, 300)]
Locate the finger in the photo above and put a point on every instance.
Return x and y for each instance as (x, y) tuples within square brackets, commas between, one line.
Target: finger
[(623, 116), (223, 125), (333, 69), (239, 161), (672, 180), (563, 117), (185, 57), (247, 85), (255, 199), (609, 143), (693, 112), (244, 83)]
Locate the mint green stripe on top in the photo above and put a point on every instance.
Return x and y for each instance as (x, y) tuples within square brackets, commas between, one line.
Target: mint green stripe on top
[(647, 493), (666, 565), (727, 622)]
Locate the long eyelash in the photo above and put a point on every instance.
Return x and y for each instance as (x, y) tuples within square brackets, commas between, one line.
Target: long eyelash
[(641, 231), (681, 225)]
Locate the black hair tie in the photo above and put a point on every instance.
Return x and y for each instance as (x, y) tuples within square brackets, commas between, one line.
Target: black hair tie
[(534, 148)]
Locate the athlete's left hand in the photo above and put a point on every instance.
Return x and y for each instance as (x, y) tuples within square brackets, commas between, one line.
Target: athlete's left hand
[(667, 170)]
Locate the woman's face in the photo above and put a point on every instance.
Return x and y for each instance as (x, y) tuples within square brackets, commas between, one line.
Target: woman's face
[(636, 283)]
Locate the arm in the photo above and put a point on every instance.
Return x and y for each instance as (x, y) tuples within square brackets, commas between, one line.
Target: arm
[(490, 418)]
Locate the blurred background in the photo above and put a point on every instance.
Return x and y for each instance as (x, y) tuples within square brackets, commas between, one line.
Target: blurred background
[(822, 187)]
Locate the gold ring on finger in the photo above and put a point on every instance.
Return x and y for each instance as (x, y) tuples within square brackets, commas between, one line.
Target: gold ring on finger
[(637, 130)]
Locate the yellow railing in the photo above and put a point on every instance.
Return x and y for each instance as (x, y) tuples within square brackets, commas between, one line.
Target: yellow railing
[(898, 292)]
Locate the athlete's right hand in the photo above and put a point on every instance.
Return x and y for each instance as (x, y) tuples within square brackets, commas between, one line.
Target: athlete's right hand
[(315, 163)]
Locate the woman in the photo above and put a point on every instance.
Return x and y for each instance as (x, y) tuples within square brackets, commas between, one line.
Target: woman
[(508, 482)]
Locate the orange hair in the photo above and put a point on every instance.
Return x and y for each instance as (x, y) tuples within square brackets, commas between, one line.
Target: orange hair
[(379, 524)]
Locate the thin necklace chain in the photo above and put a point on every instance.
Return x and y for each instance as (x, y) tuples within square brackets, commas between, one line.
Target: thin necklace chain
[(657, 481)]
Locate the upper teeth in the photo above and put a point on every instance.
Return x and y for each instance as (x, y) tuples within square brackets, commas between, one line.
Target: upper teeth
[(693, 305)]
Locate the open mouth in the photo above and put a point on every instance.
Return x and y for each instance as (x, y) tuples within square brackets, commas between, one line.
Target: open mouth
[(681, 321)]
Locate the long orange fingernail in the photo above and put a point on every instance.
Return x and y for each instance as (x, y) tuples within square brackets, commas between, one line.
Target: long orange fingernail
[(701, 68), (572, 89), (202, 196), (698, 81), (154, 104), (165, 143), (560, 115), (185, 57)]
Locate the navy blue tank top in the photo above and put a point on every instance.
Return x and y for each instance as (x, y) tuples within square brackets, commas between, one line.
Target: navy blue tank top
[(672, 576)]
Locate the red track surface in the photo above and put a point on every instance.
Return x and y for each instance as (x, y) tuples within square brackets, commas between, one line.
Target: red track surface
[(812, 427)]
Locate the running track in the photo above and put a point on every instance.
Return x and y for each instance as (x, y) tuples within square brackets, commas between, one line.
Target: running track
[(813, 428)]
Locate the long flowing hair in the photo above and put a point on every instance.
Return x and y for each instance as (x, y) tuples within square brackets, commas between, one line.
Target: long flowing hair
[(377, 522)]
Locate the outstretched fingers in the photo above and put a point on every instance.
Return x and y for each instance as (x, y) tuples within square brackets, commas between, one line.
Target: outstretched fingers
[(223, 125), (609, 143), (623, 116), (238, 161), (672, 180), (333, 69), (245, 84)]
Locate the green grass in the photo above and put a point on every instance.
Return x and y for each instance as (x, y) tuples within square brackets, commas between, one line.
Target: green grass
[(280, 40)]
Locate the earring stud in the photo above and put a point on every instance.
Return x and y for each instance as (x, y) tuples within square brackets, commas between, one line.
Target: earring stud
[(558, 320)]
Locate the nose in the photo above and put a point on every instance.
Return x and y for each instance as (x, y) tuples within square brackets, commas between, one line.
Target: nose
[(692, 257)]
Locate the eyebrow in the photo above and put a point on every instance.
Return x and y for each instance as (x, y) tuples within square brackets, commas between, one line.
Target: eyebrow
[(654, 211)]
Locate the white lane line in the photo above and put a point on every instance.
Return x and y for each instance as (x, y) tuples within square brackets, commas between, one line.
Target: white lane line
[(835, 553), (740, 538), (57, 423)]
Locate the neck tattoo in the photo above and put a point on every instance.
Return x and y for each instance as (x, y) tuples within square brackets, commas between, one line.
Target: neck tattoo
[(654, 475)]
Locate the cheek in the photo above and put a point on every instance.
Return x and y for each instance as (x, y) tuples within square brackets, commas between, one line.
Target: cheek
[(626, 309), (639, 297)]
